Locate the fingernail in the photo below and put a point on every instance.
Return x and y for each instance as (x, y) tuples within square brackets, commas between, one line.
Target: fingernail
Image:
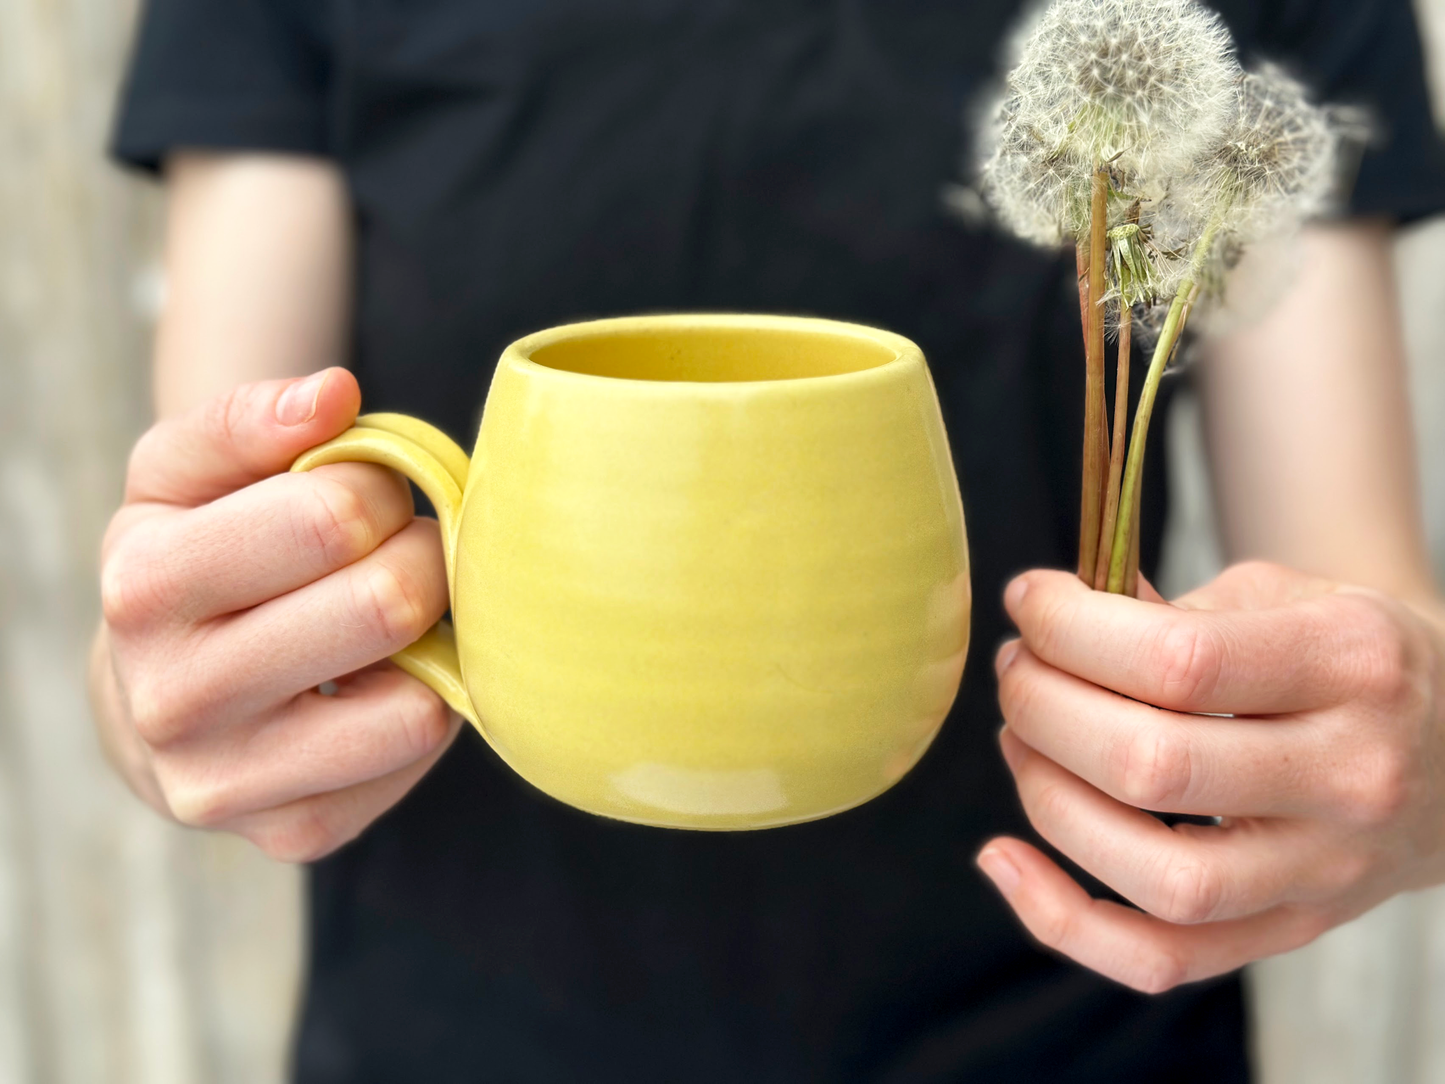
[(297, 404), (1014, 595), (1000, 869), (1005, 657)]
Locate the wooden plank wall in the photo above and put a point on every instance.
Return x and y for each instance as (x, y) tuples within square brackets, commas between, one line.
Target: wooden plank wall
[(132, 952)]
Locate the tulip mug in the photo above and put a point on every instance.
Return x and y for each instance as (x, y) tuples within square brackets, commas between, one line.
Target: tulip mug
[(705, 571)]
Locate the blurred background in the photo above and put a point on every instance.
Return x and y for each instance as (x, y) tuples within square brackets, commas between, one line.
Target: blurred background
[(133, 951)]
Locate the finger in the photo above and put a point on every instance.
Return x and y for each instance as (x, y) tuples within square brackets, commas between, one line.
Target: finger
[(245, 666), (379, 721), (311, 828), (1166, 761), (350, 619), (1189, 875), (257, 543), (1258, 662), (1128, 946), (250, 433)]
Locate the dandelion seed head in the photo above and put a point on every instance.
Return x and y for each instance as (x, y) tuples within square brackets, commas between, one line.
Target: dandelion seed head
[(1274, 169), (1035, 192), (1278, 156), (1144, 85)]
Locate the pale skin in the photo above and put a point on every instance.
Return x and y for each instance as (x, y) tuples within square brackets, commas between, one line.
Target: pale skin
[(232, 589)]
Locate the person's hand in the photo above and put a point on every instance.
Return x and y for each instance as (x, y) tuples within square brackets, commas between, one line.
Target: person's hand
[(1322, 751), (232, 589)]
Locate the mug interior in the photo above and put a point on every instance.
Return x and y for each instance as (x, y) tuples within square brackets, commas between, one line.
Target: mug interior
[(713, 355)]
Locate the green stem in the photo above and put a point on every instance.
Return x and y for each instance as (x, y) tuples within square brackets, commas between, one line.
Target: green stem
[(1173, 324), (1116, 452), (1173, 327)]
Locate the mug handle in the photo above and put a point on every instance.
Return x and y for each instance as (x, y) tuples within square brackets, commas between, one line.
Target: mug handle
[(433, 461)]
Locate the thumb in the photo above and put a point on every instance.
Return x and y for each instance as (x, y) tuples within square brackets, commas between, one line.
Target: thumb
[(249, 433)]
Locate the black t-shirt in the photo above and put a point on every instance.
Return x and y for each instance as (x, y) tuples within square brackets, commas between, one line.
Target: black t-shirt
[(514, 165)]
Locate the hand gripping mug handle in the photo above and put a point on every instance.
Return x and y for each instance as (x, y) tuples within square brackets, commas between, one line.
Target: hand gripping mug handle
[(433, 461)]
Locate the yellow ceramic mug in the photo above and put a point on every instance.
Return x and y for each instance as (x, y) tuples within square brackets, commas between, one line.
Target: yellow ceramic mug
[(706, 571)]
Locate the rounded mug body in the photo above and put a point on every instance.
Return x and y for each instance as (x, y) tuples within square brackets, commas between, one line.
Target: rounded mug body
[(711, 571)]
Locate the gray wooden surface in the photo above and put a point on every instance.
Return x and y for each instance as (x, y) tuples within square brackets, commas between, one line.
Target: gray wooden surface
[(132, 952)]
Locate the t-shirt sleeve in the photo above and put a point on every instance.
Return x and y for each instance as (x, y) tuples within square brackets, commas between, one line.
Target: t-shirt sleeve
[(224, 74), (1367, 54)]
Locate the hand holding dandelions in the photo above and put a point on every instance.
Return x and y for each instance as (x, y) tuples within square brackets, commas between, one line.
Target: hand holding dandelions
[(1328, 771)]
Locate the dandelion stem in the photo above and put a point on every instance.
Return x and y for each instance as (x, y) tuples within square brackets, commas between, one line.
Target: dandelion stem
[(1131, 566), (1095, 410), (1125, 528), (1116, 454), (1130, 495)]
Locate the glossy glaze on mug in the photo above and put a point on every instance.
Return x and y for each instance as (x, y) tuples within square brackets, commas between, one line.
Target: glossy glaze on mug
[(710, 571)]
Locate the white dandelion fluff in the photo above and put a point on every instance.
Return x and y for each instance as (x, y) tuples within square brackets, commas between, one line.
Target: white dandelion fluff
[(1145, 86), (1128, 126), (1276, 164), (1274, 169), (1037, 193)]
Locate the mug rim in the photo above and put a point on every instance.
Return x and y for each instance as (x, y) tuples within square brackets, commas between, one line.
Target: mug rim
[(906, 352)]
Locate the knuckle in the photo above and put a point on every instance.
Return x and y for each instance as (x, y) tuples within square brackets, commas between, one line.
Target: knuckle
[(392, 600), (1340, 873), (132, 593), (1192, 894), (1160, 971), (1054, 927), (1156, 769), (119, 605), (1015, 695), (423, 719), (1386, 656), (200, 805), (341, 522), (1377, 789), (155, 711), (299, 835), (1050, 806), (1190, 658), (169, 704)]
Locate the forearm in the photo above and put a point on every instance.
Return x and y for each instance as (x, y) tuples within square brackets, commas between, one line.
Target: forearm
[(258, 274), (1309, 429), (257, 270)]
